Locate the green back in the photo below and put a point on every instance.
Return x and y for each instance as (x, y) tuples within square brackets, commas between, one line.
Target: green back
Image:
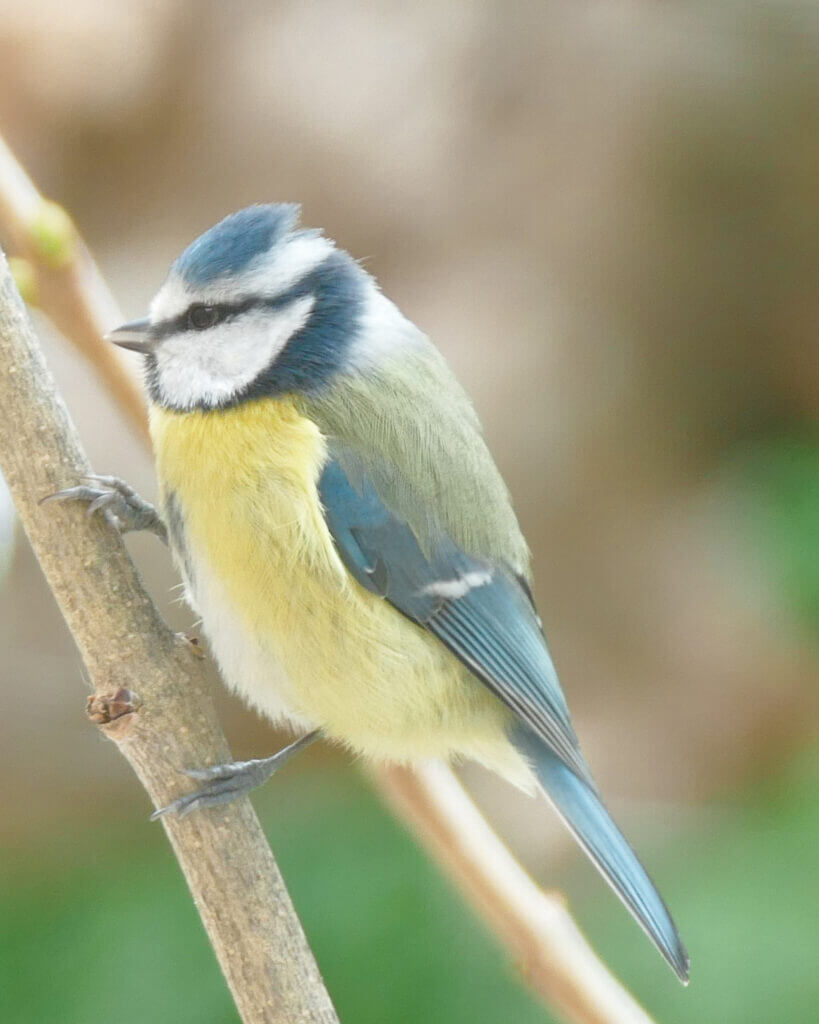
[(409, 425)]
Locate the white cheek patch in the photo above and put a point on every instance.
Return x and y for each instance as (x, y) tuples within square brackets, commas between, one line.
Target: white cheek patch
[(452, 590), (196, 368)]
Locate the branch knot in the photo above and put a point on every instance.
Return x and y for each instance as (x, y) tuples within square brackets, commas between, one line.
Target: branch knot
[(113, 709)]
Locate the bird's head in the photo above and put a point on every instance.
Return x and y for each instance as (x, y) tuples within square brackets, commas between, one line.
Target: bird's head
[(253, 307)]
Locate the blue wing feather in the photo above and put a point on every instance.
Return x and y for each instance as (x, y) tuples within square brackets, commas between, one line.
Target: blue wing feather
[(591, 824), (495, 631)]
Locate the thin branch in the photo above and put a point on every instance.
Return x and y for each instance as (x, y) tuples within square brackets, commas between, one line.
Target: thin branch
[(554, 957), (64, 280), (537, 928), (151, 696)]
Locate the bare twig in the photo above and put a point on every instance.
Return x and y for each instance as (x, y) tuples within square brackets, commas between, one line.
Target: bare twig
[(536, 926), (557, 962), (63, 280), (151, 696)]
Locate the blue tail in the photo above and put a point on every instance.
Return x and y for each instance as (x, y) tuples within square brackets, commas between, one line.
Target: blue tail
[(583, 811)]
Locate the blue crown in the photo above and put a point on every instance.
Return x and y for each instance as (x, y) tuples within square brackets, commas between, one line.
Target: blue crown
[(229, 246)]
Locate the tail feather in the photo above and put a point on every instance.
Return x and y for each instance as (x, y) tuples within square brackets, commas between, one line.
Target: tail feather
[(583, 812)]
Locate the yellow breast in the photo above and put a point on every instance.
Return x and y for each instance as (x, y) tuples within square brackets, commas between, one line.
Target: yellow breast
[(292, 631)]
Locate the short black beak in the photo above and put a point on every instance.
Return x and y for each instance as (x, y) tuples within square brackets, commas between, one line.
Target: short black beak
[(135, 336)]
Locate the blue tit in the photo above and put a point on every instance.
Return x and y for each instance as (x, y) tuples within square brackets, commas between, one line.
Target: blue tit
[(343, 531)]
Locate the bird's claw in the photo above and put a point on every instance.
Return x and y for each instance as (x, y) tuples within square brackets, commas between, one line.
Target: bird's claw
[(226, 782), (222, 783), (128, 511)]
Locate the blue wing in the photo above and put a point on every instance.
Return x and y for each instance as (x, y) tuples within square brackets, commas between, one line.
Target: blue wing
[(493, 628)]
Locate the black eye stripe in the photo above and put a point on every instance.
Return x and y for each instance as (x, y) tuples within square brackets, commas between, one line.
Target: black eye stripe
[(230, 310), (224, 311), (219, 312), (335, 294), (201, 317)]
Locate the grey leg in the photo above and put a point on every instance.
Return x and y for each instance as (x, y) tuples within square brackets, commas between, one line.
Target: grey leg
[(127, 509), (225, 782)]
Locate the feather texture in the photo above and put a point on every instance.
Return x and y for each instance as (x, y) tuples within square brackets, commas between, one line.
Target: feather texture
[(472, 595), (408, 426), (289, 560), (344, 532), (292, 630), (581, 808), (472, 606), (486, 618)]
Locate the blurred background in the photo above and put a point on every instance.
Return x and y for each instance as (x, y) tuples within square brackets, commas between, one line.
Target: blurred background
[(607, 216)]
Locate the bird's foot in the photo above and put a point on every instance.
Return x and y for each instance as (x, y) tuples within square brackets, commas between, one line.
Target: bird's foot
[(128, 511), (226, 782)]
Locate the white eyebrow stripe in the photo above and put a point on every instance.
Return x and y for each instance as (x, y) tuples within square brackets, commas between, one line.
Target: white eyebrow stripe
[(172, 299), (271, 275), (459, 587), (293, 261)]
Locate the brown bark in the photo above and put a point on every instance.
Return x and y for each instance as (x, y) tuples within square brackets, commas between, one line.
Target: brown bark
[(151, 697)]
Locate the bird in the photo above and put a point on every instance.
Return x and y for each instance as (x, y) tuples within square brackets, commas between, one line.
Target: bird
[(344, 533)]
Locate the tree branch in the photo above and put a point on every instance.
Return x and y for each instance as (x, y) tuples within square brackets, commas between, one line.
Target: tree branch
[(535, 926), (151, 696), (63, 280)]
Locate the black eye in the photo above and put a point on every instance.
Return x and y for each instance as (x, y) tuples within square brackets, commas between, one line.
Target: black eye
[(201, 317)]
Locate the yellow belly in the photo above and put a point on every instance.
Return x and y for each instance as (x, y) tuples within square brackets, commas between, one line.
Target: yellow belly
[(293, 632)]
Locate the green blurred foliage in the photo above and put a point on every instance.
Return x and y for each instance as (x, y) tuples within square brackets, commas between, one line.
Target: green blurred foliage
[(97, 926), (745, 890), (781, 481)]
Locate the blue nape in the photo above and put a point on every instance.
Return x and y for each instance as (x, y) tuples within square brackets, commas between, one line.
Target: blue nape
[(230, 245), (317, 352)]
